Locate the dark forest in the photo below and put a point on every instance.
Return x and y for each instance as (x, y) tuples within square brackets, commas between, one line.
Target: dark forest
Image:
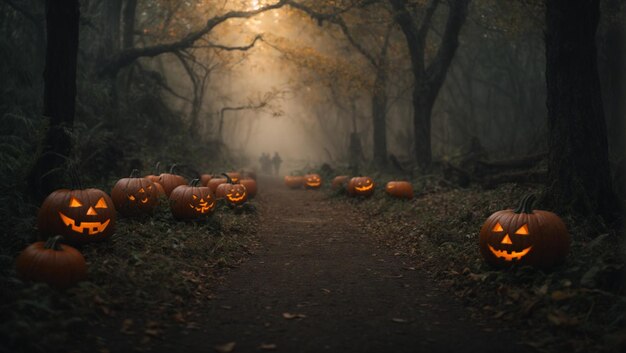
[(313, 176)]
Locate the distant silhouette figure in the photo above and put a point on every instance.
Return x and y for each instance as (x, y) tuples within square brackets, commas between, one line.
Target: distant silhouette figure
[(276, 160)]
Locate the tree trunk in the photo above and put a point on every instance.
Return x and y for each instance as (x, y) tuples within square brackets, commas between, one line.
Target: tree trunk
[(128, 34), (428, 79), (578, 166), (379, 114), (59, 96)]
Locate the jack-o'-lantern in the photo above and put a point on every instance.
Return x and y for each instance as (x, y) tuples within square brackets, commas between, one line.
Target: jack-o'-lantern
[(134, 196), (339, 181), (312, 181), (189, 202), (361, 186), (250, 185), (79, 215), (294, 181), (233, 194), (170, 181), (234, 176), (524, 236), (399, 189), (59, 265)]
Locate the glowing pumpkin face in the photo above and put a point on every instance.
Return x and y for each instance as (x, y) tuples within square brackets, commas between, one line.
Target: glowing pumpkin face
[(234, 194), (134, 196), (361, 186), (79, 215), (312, 181), (191, 202), (524, 236)]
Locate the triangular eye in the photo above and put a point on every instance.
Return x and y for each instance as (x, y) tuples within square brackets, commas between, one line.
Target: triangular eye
[(149, 187), (101, 203), (142, 190), (131, 197), (194, 197), (523, 230), (75, 203), (498, 228)]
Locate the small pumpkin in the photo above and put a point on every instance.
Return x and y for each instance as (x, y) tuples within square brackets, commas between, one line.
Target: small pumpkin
[(59, 265), (250, 185), (189, 202), (339, 181), (399, 189), (214, 183), (524, 236), (234, 194), (204, 179), (294, 181), (134, 196), (79, 215), (312, 181), (170, 181), (361, 186)]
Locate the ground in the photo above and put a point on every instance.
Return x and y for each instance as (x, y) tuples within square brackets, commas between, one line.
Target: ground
[(314, 270), (319, 282)]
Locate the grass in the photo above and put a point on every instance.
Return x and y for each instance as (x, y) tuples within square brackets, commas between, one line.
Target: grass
[(152, 274), (579, 306)]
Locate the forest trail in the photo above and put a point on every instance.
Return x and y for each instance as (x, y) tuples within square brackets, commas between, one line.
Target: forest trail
[(318, 283)]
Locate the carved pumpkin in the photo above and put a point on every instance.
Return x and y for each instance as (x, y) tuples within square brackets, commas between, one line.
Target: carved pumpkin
[(234, 194), (170, 181), (61, 266), (214, 183), (339, 181), (79, 215), (361, 186), (294, 181), (400, 189), (524, 236), (234, 176), (204, 179), (134, 196), (312, 181), (189, 202), (250, 185)]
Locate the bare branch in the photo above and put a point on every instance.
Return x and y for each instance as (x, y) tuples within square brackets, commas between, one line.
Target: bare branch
[(128, 56), (259, 37)]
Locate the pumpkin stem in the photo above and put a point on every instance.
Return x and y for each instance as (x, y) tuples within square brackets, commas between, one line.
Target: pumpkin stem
[(133, 173), (156, 168), (172, 168), (54, 243), (526, 205), (228, 179), (194, 182)]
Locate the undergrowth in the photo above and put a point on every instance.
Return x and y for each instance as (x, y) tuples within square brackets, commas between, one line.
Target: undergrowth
[(580, 306)]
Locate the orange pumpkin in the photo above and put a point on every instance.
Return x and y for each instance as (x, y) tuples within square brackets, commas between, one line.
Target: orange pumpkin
[(134, 196), (59, 265), (312, 181), (294, 181), (170, 181), (79, 215), (189, 202), (399, 189), (339, 181), (214, 183), (250, 185), (524, 236), (204, 179), (234, 194), (361, 186)]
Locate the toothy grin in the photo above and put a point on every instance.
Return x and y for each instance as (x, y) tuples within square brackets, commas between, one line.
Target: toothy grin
[(204, 207), (363, 188), (235, 198), (91, 227), (509, 256)]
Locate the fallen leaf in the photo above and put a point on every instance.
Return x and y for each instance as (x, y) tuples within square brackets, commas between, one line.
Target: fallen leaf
[(178, 317), (327, 291), (559, 295), (290, 316), (268, 346), (399, 320), (126, 325), (226, 347)]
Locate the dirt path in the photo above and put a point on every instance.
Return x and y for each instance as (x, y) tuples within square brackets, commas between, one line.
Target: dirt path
[(320, 284)]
